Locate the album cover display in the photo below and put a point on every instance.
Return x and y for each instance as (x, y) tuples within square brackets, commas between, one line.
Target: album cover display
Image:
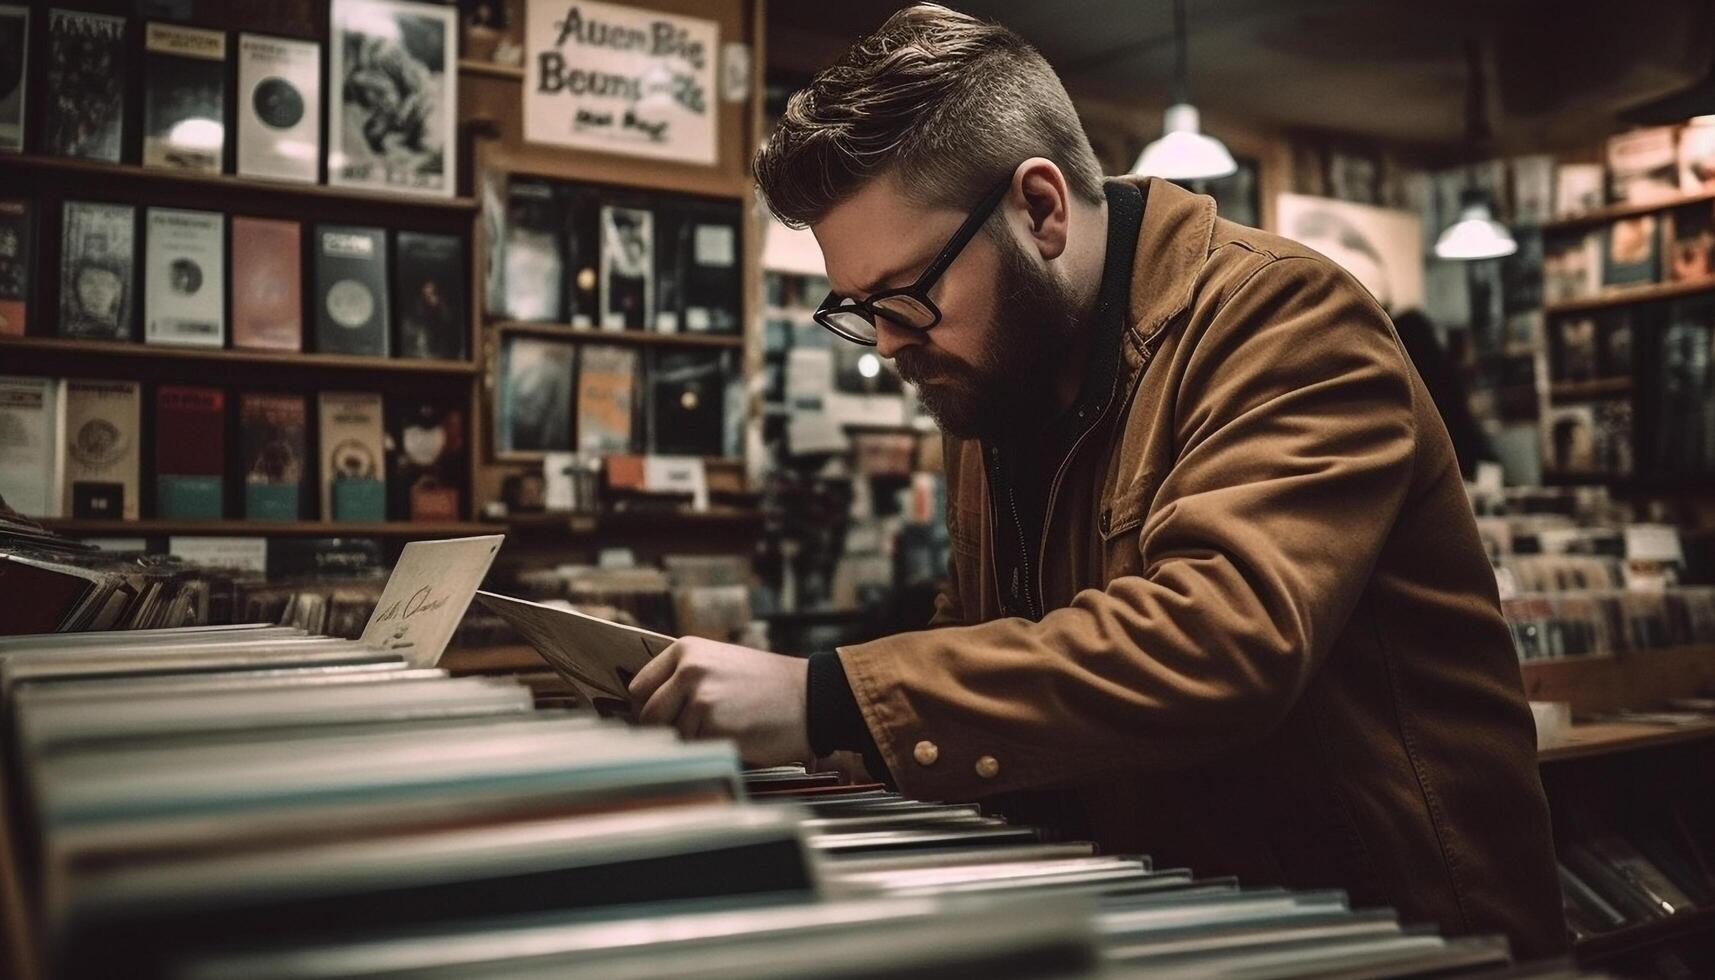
[(353, 457), (190, 452), (17, 240), (14, 74), (429, 293), (272, 438), (428, 468), (534, 407), (1643, 165), (1690, 236), (1631, 251), (279, 108), (1697, 157), (97, 270), (85, 71), (103, 451), (184, 98), (687, 401), (267, 287), (1592, 346), (713, 286), (627, 268), (607, 399), (532, 264), (393, 102), (31, 413), (184, 295), (351, 290)]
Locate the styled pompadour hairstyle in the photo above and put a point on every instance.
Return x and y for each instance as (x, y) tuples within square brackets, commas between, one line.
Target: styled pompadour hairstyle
[(949, 103)]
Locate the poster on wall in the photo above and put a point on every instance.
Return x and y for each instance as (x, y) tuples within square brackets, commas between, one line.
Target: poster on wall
[(392, 71), (1381, 247), (600, 76)]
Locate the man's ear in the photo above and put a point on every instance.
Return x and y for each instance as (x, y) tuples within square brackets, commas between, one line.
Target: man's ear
[(1039, 190)]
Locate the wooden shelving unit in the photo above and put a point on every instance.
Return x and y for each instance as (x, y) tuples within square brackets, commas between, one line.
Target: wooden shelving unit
[(155, 527), (1613, 737), (1572, 391), (72, 347), (1631, 296), (488, 69), (1615, 211), (641, 338)]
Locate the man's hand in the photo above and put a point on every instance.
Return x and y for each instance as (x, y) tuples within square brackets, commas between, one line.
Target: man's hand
[(707, 689)]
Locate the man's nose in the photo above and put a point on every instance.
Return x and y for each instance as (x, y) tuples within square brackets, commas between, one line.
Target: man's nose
[(891, 338)]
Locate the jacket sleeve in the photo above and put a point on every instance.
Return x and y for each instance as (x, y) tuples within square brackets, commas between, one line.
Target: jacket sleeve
[(1295, 444)]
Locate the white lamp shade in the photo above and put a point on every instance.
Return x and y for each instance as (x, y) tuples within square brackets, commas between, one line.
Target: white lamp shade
[(1183, 152), (1476, 235)]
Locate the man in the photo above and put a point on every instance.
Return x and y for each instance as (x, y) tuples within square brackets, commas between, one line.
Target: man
[(1216, 593)]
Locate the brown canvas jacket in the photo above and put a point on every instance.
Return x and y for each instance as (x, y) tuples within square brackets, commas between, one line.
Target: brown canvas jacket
[(1273, 645)]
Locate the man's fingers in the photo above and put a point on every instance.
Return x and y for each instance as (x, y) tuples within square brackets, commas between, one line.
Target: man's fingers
[(663, 707), (692, 717), (654, 674)]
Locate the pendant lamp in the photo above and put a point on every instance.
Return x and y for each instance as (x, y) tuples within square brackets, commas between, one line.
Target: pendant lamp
[(1476, 234), (1183, 152)]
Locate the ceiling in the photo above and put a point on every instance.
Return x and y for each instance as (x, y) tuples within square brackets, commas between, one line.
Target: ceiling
[(1388, 70)]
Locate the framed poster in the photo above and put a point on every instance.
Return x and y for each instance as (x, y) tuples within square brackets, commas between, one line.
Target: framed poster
[(393, 97), (600, 76), (1381, 248)]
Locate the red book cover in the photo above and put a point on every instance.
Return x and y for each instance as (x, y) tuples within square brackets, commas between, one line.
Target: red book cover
[(190, 431), (267, 284)]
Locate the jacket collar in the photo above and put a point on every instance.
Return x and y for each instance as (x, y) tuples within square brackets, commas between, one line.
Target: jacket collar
[(1172, 246)]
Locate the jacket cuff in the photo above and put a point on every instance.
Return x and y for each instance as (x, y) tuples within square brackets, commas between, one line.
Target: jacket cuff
[(831, 715)]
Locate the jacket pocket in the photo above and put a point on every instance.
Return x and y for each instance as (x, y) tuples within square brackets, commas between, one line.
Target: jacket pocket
[(1117, 523)]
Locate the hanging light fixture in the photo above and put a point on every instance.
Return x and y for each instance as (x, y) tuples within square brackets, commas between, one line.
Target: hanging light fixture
[(1476, 234), (1183, 152)]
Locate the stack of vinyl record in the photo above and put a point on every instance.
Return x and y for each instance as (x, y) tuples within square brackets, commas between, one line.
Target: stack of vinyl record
[(257, 801)]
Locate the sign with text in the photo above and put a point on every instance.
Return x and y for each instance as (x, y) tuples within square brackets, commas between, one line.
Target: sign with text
[(426, 596), (600, 76)]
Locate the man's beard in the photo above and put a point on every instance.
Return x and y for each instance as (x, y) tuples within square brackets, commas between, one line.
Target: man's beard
[(1012, 385)]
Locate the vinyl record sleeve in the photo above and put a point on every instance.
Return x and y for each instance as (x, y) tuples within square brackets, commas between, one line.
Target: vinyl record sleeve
[(86, 69), (103, 455), (430, 296), (17, 249), (184, 297), (535, 402), (532, 255), (184, 98), (267, 284), (427, 476), (31, 416), (393, 98), (14, 74), (273, 453), (279, 108), (627, 268), (190, 452), (351, 290), (607, 399), (353, 457), (97, 270)]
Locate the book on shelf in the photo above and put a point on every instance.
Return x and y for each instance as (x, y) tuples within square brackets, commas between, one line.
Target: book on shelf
[(1578, 187), (393, 96), (17, 262), (103, 449), (98, 278), (279, 108), (1631, 250), (353, 459), (267, 284), (429, 295), (607, 399), (1643, 165), (627, 268), (1697, 157), (272, 438), (351, 290), (534, 404), (14, 74), (32, 415), (184, 98), (532, 251), (86, 72), (427, 476), (190, 452), (184, 293), (686, 405), (1690, 236)]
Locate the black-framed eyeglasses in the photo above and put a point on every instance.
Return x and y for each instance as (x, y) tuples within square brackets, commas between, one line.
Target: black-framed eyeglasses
[(911, 306)]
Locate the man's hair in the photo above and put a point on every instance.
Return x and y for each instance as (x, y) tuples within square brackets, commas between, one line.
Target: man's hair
[(950, 103)]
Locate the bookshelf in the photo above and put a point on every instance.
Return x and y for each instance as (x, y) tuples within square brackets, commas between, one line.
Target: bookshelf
[(78, 354), (157, 527), (488, 69), (1612, 212), (638, 338), (1572, 391), (1631, 296)]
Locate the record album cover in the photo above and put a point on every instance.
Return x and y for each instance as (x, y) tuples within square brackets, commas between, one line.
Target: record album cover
[(1571, 266), (429, 293), (103, 454), (535, 403), (427, 477), (1697, 156), (17, 240), (31, 414), (393, 100), (532, 258), (184, 98), (687, 401), (627, 268), (184, 294), (1632, 248), (190, 451), (351, 290), (85, 71), (1643, 165), (1691, 242), (353, 457), (279, 108), (97, 270), (712, 281), (580, 214), (267, 286), (272, 439), (14, 74), (607, 399)]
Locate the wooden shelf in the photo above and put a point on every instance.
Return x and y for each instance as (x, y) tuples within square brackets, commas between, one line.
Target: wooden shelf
[(645, 338), (158, 527), (96, 174), (1613, 211), (1630, 939), (633, 520), (1601, 684), (1613, 737), (1632, 295), (296, 359), (1586, 390), (471, 66)]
